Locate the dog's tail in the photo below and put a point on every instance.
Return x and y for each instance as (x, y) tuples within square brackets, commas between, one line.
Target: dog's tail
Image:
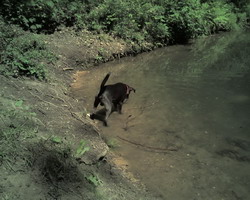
[(105, 80), (97, 98)]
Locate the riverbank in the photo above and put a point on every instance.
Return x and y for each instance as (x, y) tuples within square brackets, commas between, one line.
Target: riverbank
[(48, 147)]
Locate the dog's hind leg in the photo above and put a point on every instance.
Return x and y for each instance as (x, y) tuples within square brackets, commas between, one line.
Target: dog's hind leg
[(108, 106)]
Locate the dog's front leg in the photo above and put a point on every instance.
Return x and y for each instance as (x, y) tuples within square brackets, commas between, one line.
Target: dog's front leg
[(119, 108)]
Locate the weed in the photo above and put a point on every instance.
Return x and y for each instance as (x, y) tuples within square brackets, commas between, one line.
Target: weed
[(56, 139), (112, 143), (81, 149), (94, 179)]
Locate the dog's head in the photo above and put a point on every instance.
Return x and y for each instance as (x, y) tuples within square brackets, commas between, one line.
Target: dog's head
[(129, 89)]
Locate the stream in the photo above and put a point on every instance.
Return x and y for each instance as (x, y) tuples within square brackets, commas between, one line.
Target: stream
[(185, 133)]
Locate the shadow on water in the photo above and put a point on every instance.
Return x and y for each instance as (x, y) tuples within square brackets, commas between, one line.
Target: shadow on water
[(185, 132)]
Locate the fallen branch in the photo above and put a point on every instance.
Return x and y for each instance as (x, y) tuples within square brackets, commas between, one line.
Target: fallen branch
[(67, 68), (150, 148)]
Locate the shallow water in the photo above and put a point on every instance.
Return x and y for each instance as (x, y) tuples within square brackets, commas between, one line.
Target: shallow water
[(185, 133)]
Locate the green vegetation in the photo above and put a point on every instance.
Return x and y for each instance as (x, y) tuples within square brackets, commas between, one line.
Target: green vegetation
[(56, 139), (94, 179), (143, 24), (146, 20), (112, 143), (23, 53), (81, 149), (17, 124)]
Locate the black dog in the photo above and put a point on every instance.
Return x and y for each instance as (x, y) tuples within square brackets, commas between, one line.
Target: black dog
[(111, 97)]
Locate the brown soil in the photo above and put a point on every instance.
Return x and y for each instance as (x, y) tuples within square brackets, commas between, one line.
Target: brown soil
[(46, 168)]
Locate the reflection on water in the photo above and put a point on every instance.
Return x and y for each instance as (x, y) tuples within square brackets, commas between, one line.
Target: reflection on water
[(185, 132)]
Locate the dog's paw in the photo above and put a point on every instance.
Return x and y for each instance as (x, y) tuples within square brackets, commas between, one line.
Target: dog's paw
[(91, 116), (105, 123)]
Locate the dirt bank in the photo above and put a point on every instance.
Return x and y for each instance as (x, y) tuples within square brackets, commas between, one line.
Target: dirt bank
[(49, 150)]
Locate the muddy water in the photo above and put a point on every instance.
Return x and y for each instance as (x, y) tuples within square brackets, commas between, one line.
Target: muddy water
[(185, 133)]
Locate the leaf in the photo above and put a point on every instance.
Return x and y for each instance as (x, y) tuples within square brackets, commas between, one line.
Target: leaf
[(19, 103), (56, 139), (94, 180), (50, 4), (82, 149), (33, 114)]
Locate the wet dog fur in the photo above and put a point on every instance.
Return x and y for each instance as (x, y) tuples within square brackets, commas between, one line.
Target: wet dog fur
[(111, 97)]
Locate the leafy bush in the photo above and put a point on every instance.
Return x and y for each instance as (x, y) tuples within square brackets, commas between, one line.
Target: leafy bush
[(153, 23), (136, 21), (185, 19), (116, 17), (143, 22), (247, 12), (43, 15), (23, 53), (222, 15), (164, 21), (225, 16), (7, 33)]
